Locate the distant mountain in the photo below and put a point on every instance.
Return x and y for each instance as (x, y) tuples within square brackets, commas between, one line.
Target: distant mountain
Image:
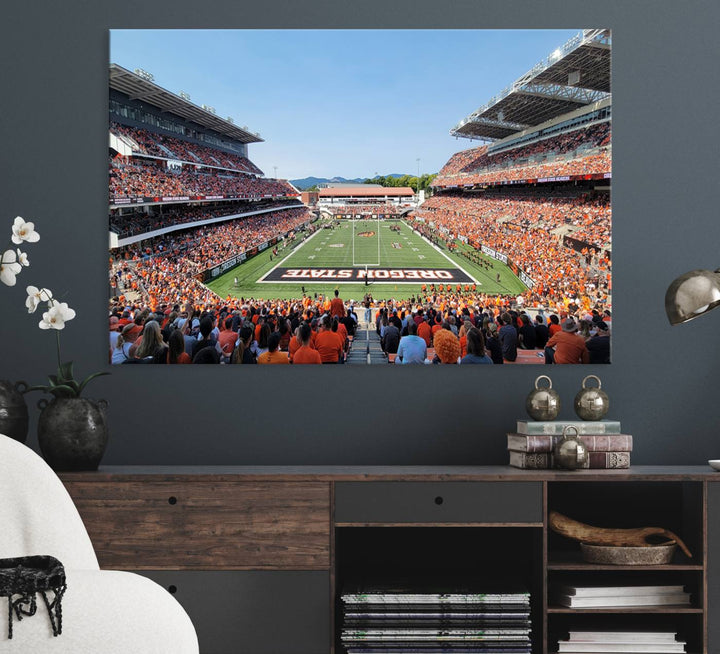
[(307, 182)]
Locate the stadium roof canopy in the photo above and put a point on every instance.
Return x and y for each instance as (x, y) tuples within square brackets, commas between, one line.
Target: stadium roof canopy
[(139, 88), (366, 192), (574, 75)]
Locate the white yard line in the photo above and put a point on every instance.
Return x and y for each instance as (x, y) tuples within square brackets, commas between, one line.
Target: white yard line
[(277, 265), (262, 280), (431, 244)]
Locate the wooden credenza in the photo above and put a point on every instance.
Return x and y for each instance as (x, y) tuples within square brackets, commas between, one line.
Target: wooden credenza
[(259, 556)]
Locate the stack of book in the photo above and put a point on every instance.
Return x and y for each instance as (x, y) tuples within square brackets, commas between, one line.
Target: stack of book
[(401, 622), (647, 642), (584, 597), (531, 446)]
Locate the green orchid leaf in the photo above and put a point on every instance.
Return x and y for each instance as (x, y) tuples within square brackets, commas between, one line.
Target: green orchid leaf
[(53, 380), (38, 388), (87, 380), (63, 391), (65, 371)]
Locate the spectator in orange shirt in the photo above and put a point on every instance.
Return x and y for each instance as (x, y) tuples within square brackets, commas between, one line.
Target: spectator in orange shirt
[(328, 343), (554, 326), (337, 306), (273, 355), (569, 347), (305, 354), (227, 339), (424, 331)]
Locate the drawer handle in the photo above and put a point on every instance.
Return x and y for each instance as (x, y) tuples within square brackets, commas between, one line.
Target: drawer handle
[(172, 500), (439, 500), (172, 589)]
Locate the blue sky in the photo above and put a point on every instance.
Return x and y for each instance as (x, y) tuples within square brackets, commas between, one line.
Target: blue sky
[(347, 103)]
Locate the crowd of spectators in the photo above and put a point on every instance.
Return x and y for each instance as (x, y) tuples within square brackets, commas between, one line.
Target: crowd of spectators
[(160, 216), (171, 147), (152, 178), (389, 209), (434, 327), (299, 332), (526, 230), (165, 269), (593, 164), (477, 160)]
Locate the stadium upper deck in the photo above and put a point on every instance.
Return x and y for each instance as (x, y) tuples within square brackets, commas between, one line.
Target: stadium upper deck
[(165, 149), (573, 76)]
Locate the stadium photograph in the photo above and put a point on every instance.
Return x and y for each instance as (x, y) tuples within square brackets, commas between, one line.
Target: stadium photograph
[(311, 234)]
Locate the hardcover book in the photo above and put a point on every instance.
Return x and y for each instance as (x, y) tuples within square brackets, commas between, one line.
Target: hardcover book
[(596, 460), (555, 427), (546, 442)]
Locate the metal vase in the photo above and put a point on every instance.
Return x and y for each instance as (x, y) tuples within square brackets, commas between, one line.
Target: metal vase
[(543, 403), (570, 453), (72, 433), (13, 410), (591, 403)]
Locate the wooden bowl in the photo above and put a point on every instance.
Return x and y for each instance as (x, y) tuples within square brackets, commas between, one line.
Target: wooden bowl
[(619, 555)]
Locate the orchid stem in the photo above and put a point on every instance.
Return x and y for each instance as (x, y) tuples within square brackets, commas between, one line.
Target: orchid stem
[(58, 348)]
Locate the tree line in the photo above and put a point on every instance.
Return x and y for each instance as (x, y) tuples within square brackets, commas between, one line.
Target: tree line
[(406, 180)]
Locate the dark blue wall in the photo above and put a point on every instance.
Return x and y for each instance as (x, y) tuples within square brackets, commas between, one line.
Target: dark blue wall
[(663, 384)]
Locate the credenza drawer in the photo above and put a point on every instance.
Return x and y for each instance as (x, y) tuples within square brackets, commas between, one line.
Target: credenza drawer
[(253, 611), (405, 502), (220, 525)]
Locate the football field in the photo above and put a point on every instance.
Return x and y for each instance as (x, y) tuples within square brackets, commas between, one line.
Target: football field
[(384, 258)]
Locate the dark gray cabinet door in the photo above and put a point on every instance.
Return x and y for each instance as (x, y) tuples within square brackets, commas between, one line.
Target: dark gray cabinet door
[(257, 612)]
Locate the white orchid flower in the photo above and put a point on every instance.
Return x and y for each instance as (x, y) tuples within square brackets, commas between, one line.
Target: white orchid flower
[(56, 316), (22, 258), (23, 231), (9, 267), (36, 296)]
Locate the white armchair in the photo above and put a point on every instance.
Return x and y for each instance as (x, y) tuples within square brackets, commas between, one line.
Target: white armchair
[(104, 612)]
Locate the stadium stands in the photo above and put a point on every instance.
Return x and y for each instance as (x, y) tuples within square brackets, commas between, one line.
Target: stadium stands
[(168, 147), (150, 178), (580, 151), (165, 268), (389, 209), (139, 222)]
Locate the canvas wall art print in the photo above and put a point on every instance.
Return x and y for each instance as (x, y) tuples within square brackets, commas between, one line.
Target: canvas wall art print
[(360, 197)]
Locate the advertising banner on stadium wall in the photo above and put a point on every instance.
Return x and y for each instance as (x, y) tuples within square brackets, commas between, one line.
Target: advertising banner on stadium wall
[(525, 279)]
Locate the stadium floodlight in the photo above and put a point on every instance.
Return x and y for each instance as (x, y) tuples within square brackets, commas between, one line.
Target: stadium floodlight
[(141, 72), (209, 109), (691, 295), (230, 119), (184, 96)]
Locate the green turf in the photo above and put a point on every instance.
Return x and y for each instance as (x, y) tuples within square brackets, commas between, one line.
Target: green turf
[(317, 251)]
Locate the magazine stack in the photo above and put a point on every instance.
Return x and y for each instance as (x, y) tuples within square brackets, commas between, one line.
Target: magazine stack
[(626, 642), (401, 622)]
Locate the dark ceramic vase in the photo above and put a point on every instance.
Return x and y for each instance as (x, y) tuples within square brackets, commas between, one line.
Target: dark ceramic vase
[(72, 433), (13, 410)]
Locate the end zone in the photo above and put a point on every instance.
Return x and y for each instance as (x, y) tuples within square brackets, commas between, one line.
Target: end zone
[(377, 275)]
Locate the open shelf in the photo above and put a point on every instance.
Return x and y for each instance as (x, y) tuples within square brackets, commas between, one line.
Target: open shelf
[(476, 559), (572, 560), (626, 609)]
